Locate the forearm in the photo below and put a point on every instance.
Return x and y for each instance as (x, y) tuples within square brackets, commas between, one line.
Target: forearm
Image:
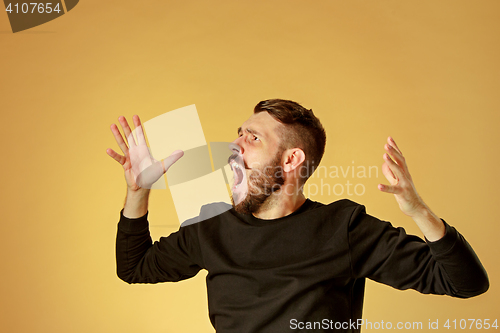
[(460, 263), (136, 203), (139, 260), (431, 226), (132, 242), (390, 256), (454, 254)]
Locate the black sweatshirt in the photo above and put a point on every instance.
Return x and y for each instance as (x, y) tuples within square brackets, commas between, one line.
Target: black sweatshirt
[(308, 267)]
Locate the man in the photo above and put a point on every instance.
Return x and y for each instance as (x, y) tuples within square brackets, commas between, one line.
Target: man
[(277, 261)]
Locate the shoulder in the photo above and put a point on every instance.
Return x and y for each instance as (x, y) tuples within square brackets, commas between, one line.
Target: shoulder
[(209, 211), (339, 207), (214, 209)]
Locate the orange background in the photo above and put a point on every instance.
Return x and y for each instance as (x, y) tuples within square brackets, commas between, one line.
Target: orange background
[(425, 72)]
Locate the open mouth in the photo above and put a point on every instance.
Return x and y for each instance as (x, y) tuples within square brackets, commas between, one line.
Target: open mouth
[(239, 187), (238, 174), (238, 167)]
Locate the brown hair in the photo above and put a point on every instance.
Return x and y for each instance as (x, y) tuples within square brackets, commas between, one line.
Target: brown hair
[(302, 129)]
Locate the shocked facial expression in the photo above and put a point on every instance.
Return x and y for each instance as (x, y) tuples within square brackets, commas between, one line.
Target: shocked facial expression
[(256, 162)]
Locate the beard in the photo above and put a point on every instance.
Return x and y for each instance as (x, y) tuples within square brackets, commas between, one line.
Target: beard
[(262, 183)]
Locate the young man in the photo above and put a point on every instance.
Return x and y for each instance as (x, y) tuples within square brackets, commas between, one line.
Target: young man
[(277, 261)]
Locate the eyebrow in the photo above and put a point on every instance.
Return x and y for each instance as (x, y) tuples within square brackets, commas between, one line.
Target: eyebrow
[(249, 130)]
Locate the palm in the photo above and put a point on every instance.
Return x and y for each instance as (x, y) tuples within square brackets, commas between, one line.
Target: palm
[(401, 183), (130, 177), (141, 169)]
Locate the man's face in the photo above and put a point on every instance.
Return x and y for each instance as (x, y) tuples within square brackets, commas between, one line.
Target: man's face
[(256, 162)]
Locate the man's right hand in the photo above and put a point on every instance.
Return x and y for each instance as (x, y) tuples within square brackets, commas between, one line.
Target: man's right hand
[(141, 169)]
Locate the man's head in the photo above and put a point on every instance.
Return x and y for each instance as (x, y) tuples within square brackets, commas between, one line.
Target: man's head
[(280, 144), (300, 128)]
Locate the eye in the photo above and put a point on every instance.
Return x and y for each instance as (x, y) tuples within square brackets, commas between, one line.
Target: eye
[(255, 138)]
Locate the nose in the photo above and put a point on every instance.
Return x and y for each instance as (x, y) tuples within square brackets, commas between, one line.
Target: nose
[(239, 140), (235, 148)]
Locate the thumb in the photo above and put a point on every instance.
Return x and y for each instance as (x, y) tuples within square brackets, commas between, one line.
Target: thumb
[(394, 189), (174, 157)]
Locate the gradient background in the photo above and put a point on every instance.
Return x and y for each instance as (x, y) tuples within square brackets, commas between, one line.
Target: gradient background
[(425, 72)]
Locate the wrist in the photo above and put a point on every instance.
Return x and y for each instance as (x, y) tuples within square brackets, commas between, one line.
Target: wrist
[(421, 211), (431, 226), (138, 193), (136, 203)]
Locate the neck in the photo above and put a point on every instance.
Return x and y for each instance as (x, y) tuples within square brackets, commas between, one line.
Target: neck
[(280, 204)]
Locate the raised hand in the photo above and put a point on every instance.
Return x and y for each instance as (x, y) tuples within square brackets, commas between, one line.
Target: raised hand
[(401, 184), (141, 169), (410, 203)]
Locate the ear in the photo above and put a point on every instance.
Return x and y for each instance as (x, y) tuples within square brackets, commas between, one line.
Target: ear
[(292, 159)]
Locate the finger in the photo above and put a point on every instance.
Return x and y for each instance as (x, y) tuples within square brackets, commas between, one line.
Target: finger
[(117, 157), (126, 131), (131, 140), (396, 156), (389, 188), (391, 141), (119, 139), (141, 140), (174, 157), (395, 168), (388, 174)]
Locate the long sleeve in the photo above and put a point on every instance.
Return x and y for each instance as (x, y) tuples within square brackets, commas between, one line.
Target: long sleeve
[(390, 256), (139, 260)]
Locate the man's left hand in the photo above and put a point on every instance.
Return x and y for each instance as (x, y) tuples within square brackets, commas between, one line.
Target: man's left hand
[(401, 184)]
